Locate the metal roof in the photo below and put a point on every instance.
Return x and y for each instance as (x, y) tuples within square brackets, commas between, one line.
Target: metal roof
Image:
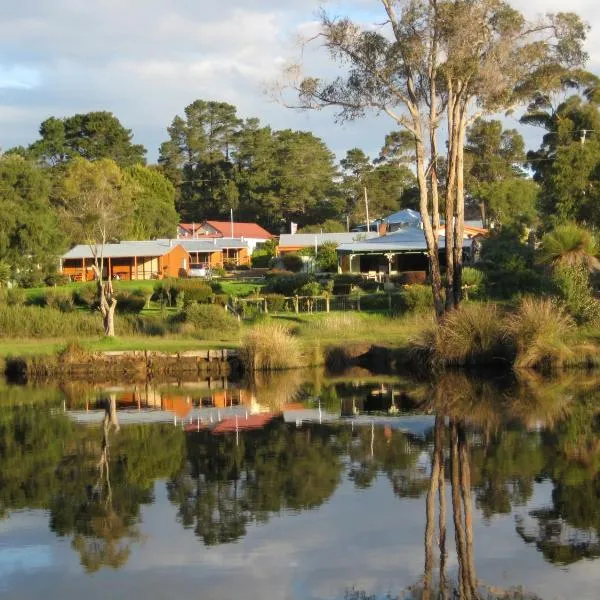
[(403, 240), (310, 239), (212, 244), (406, 215), (124, 249)]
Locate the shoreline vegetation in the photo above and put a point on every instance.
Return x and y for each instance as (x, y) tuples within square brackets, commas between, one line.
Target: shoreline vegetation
[(535, 333)]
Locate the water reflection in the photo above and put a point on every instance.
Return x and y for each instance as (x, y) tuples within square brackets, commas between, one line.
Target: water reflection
[(468, 447)]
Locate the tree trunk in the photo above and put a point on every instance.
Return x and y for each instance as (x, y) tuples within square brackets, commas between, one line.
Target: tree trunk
[(442, 515), (430, 237), (453, 140), (108, 304), (459, 210)]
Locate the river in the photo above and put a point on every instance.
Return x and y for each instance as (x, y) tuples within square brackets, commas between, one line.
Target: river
[(302, 485)]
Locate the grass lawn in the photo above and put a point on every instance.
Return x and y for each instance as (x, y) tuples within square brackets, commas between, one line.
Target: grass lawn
[(9, 347)]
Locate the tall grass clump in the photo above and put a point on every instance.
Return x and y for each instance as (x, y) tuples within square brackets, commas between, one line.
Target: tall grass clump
[(540, 330), (270, 347), (471, 334)]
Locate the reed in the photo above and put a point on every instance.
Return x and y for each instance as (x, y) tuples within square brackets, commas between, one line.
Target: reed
[(270, 346)]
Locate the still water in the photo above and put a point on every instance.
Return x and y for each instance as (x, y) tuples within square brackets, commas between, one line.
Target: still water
[(302, 485)]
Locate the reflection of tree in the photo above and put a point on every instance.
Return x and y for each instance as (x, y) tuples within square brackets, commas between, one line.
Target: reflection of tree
[(31, 444), (101, 487), (226, 485)]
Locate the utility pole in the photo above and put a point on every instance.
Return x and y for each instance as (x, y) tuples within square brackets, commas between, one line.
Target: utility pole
[(367, 209)]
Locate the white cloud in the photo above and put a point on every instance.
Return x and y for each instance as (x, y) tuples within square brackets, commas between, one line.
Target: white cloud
[(145, 60)]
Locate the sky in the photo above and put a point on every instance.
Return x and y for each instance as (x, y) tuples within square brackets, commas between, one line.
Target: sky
[(145, 60)]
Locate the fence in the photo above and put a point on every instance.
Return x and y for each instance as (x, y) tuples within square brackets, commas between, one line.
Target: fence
[(314, 304)]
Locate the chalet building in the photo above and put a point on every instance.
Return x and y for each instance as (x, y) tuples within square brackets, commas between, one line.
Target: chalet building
[(252, 233), (402, 251), (217, 252), (128, 260), (293, 242)]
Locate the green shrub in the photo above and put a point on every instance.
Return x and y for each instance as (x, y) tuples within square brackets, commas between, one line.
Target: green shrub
[(417, 298), (292, 262), (218, 271), (326, 260), (5, 273), (15, 296), (56, 279), (206, 319), (573, 286), (131, 302), (165, 292), (30, 279), (473, 281), (275, 302), (287, 285), (277, 273), (59, 299), (270, 346), (261, 259), (194, 290), (310, 288), (86, 295), (220, 299), (37, 322), (374, 302)]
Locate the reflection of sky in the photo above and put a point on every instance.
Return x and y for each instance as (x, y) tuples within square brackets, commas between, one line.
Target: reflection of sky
[(367, 539)]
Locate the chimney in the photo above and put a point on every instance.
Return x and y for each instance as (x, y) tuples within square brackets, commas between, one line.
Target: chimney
[(383, 227), (170, 243)]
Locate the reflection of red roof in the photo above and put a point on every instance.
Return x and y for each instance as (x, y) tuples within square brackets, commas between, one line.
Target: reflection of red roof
[(252, 422)]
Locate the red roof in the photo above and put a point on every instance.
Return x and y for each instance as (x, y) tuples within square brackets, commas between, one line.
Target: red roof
[(247, 230)]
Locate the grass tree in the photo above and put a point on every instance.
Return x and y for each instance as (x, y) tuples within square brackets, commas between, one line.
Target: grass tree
[(96, 200), (430, 60)]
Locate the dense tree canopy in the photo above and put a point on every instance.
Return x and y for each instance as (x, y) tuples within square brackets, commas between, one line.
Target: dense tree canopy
[(92, 136), (29, 231)]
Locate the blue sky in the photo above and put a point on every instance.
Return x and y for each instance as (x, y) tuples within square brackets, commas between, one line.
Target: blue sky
[(145, 60)]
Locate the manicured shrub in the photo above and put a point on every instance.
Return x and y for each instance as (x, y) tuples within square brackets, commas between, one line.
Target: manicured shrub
[(292, 262), (270, 346)]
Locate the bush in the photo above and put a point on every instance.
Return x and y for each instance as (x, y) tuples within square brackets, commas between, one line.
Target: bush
[(374, 302), (287, 285), (540, 330), (220, 299), (193, 290), (15, 296), (86, 295), (58, 299), (310, 288), (209, 319), (261, 259), (275, 302), (508, 264), (37, 322), (473, 281), (218, 271), (573, 286), (417, 298), (56, 279), (165, 292), (270, 346), (30, 279), (131, 302), (326, 260), (292, 262)]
